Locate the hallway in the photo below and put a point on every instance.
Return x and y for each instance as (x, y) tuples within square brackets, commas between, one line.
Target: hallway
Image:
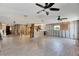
[(44, 46)]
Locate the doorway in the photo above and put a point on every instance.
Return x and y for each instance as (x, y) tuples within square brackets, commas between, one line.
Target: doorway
[(8, 30)]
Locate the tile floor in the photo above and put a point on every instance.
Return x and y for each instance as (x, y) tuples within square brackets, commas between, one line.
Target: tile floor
[(42, 46)]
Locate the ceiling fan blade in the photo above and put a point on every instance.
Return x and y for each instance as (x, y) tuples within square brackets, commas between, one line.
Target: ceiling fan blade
[(39, 5), (50, 5), (64, 18), (40, 11), (54, 9)]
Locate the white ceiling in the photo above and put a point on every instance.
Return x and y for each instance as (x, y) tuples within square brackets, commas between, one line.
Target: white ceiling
[(10, 12)]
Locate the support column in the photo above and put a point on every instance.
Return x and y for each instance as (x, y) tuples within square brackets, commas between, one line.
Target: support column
[(78, 29), (0, 25), (32, 31)]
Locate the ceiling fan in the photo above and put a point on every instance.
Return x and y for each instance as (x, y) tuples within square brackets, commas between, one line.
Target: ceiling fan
[(47, 6), (60, 19)]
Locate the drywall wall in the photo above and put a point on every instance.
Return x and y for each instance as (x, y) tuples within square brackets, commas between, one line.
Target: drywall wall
[(70, 33)]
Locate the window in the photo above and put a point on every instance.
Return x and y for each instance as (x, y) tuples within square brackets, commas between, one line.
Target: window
[(56, 27)]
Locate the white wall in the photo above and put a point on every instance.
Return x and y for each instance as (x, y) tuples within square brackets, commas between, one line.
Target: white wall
[(70, 33)]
